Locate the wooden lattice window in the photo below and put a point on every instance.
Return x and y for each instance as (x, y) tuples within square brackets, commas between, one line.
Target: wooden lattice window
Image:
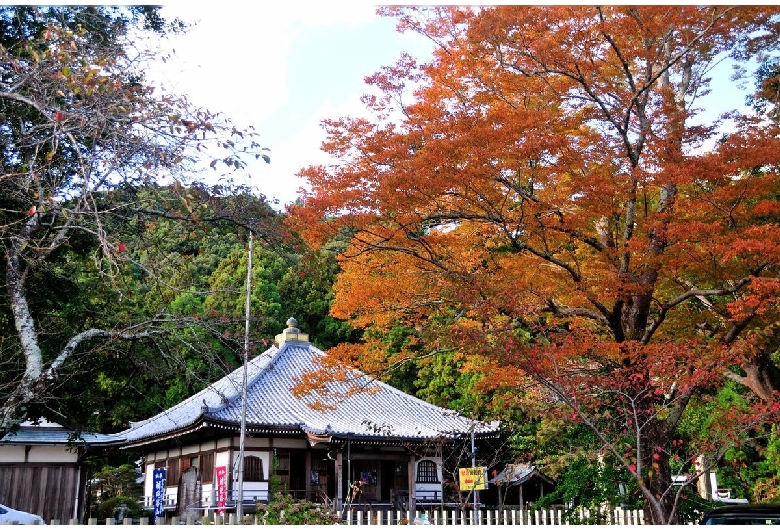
[(207, 467), (427, 472), (253, 469), (188, 462), (172, 472)]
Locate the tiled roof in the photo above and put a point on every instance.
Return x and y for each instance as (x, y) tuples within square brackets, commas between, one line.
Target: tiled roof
[(518, 474), (53, 434), (382, 412)]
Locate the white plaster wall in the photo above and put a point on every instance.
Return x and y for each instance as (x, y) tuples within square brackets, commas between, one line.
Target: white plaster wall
[(148, 482), (206, 494), (267, 458), (256, 443), (291, 443), (161, 455), (427, 489), (11, 454), (45, 453), (171, 492), (190, 449), (222, 458), (254, 489)]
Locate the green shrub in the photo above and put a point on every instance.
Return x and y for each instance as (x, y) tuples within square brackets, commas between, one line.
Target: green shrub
[(111, 507), (284, 509)]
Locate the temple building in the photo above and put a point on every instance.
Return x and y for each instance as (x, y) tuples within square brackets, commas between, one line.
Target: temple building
[(388, 443)]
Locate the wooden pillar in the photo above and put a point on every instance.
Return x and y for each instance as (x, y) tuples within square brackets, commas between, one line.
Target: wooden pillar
[(520, 488), (339, 480), (412, 484), (307, 486)]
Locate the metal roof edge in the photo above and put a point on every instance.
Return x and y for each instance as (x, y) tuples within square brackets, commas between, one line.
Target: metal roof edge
[(97, 439)]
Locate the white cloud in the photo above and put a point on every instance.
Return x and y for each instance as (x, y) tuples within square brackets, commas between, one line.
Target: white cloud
[(301, 149), (237, 60), (281, 69)]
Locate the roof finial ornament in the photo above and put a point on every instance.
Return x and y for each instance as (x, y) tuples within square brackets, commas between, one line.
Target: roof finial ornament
[(291, 333)]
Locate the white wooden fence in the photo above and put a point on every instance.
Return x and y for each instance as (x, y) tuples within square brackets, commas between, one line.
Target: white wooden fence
[(453, 517), (616, 516)]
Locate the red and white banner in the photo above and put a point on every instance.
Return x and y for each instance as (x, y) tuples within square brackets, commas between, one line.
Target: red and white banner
[(221, 488)]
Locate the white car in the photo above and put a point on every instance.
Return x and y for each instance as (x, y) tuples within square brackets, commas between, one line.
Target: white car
[(11, 516)]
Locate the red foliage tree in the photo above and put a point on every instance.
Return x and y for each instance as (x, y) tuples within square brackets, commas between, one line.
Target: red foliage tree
[(547, 199)]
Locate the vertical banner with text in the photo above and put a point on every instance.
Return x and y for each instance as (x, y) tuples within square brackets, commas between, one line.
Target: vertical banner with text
[(221, 488), (158, 498)]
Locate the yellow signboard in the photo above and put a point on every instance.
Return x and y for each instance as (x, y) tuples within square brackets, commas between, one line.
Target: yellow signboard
[(472, 478)]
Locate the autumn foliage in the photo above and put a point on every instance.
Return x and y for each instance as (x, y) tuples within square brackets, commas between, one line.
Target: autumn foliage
[(549, 194)]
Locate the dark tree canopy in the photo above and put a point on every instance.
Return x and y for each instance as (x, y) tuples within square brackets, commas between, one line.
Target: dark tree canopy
[(85, 142)]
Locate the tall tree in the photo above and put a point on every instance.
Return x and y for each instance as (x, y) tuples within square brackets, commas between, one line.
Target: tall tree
[(227, 298), (551, 199), (306, 291), (82, 131)]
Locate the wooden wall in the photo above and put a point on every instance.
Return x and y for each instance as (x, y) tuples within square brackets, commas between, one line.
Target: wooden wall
[(48, 490)]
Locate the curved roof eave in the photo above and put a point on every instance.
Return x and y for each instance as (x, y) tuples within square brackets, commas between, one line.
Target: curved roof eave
[(166, 435)]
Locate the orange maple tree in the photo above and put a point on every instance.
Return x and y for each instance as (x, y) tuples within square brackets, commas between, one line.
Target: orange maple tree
[(547, 194)]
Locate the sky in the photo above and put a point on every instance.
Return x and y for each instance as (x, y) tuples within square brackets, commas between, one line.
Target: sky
[(282, 68)]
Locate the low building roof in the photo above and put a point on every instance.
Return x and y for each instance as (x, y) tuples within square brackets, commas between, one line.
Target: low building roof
[(380, 412), (519, 474), (49, 433)]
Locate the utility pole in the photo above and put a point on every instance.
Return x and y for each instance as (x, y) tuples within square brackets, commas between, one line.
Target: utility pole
[(242, 436), (473, 465)]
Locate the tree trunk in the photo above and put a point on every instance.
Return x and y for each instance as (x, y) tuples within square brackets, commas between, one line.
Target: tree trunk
[(659, 505), (762, 376), (25, 329)]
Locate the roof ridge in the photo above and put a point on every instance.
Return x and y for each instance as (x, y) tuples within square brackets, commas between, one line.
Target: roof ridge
[(266, 358), (217, 388)]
